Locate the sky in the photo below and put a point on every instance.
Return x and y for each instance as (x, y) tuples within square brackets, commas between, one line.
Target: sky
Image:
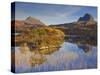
[(52, 13)]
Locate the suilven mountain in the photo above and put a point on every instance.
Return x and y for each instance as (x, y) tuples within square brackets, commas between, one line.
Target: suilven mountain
[(86, 20)]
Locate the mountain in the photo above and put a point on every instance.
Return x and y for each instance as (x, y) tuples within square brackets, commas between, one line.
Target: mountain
[(32, 21), (80, 27), (86, 20), (28, 22), (86, 17), (17, 23)]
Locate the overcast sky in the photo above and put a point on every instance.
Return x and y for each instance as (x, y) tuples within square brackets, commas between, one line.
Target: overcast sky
[(53, 14)]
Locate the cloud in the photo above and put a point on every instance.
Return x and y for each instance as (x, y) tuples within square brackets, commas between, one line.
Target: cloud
[(51, 14), (60, 16)]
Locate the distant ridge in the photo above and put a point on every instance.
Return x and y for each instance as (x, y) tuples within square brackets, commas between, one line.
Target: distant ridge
[(28, 22), (17, 23), (86, 20), (33, 21)]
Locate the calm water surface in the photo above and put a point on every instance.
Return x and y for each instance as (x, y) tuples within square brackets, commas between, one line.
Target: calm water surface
[(69, 57)]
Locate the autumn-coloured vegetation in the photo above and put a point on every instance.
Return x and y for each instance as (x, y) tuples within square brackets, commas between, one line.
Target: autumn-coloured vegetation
[(40, 38)]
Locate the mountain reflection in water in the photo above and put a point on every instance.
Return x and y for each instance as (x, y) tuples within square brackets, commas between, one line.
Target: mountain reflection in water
[(70, 56)]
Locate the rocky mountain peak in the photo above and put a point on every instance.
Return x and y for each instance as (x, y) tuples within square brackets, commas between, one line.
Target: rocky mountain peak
[(33, 21), (86, 17), (29, 18)]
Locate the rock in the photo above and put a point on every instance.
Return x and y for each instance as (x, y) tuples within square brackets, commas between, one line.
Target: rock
[(32, 21), (86, 20), (86, 17)]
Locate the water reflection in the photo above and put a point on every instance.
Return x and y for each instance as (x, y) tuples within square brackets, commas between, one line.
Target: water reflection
[(71, 55), (86, 48), (83, 42)]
